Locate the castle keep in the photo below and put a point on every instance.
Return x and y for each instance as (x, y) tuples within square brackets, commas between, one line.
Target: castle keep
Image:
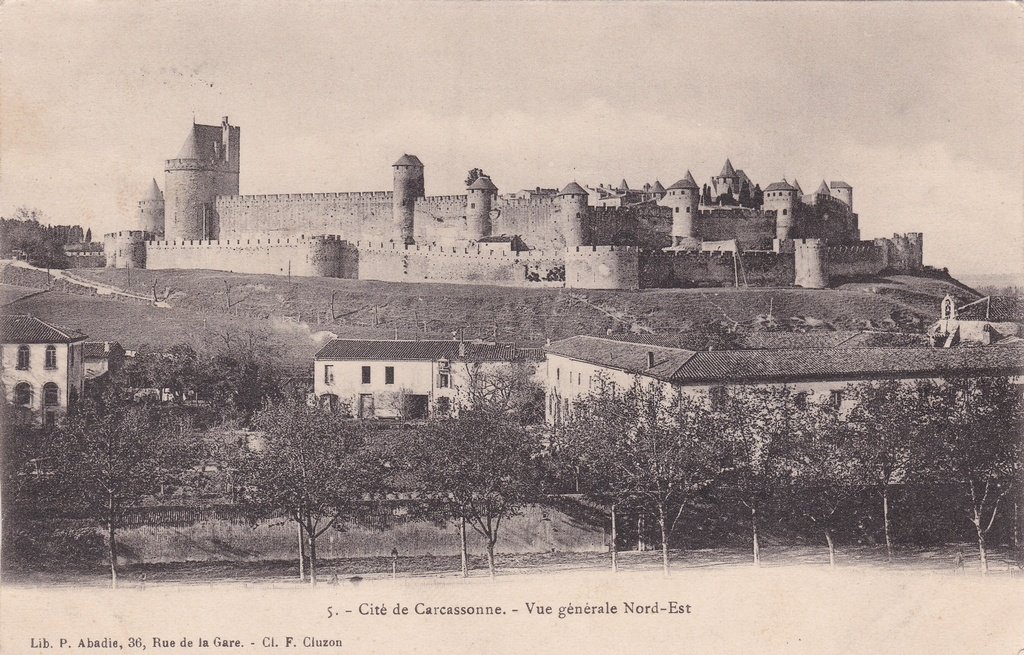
[(729, 232)]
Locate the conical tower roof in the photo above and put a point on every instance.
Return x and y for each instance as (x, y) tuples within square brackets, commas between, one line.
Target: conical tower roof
[(796, 185), (482, 183), (657, 188), (573, 189), (727, 170), (823, 189), (623, 185), (190, 149), (408, 160), (685, 183), (153, 192)]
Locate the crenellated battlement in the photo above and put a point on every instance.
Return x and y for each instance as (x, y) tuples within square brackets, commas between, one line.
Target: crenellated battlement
[(381, 196), (124, 234), (192, 165), (540, 201)]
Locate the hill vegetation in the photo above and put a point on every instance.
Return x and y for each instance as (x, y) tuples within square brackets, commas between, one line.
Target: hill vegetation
[(298, 314)]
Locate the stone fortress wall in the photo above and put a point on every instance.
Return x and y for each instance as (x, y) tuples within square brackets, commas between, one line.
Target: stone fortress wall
[(481, 237)]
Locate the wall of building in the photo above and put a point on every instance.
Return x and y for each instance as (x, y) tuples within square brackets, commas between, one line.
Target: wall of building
[(862, 258), (536, 220), (481, 264), (440, 218), (310, 256), (350, 215), (715, 269), (754, 229), (68, 374), (602, 267), (644, 225)]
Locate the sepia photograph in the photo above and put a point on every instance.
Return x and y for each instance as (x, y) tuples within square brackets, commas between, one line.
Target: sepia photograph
[(511, 327)]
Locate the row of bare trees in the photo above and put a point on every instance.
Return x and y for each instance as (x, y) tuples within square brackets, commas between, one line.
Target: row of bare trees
[(660, 452), (642, 450)]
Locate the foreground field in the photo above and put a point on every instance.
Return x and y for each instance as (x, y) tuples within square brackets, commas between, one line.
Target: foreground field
[(349, 571)]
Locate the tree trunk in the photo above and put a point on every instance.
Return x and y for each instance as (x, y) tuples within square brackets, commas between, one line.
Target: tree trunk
[(982, 551), (111, 538), (885, 520), (615, 547), (831, 548), (757, 545), (463, 550), (664, 538), (302, 554), (490, 555), (312, 558), (640, 545)]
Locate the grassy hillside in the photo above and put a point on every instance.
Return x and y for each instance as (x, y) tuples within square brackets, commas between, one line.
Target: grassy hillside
[(297, 314)]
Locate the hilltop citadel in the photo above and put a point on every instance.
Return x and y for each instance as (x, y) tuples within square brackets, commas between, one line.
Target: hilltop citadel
[(727, 233)]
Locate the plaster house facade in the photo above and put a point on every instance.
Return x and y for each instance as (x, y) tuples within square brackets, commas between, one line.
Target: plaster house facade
[(413, 379), (42, 368), (102, 357), (577, 366)]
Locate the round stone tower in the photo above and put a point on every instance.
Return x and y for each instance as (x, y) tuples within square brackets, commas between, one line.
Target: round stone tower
[(683, 198), (125, 249), (811, 262), (572, 201), (151, 211), (408, 187), (479, 197), (782, 197), (207, 166)]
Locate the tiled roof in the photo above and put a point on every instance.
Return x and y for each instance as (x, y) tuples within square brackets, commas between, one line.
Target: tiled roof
[(823, 189), (686, 183), (657, 188), (22, 328), (998, 309), (727, 170), (624, 355), (365, 349), (572, 189), (408, 160), (99, 349), (780, 186), (482, 183), (840, 185), (689, 367)]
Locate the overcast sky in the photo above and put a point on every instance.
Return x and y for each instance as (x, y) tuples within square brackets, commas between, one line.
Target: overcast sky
[(919, 107)]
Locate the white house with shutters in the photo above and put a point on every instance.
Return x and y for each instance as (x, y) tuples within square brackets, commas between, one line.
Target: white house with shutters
[(43, 370), (412, 379)]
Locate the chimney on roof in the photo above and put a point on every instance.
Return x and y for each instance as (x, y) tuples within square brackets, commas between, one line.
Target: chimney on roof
[(462, 348), (650, 359)]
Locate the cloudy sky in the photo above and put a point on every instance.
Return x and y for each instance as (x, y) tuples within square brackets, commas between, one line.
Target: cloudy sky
[(918, 106)]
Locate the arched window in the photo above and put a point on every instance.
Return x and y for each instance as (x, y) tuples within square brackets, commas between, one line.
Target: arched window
[(785, 211), (23, 394), (23, 357), (51, 356), (51, 394)]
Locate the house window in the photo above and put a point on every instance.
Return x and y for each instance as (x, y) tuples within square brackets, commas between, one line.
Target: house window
[(558, 374), (835, 398), (23, 394), (444, 406), (328, 374), (472, 205), (22, 358), (389, 375), (677, 210), (687, 210), (51, 356), (443, 380), (366, 375), (51, 394), (785, 211)]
